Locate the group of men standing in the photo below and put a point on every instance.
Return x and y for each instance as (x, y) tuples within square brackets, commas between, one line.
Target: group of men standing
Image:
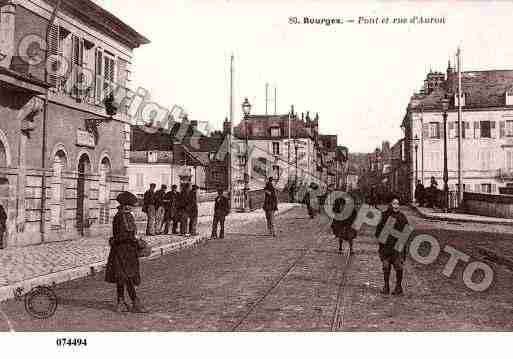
[(429, 196), (178, 211), (175, 209)]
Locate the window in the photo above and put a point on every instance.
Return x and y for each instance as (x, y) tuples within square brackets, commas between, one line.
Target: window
[(212, 156), (434, 130), (486, 188), (486, 160), (152, 157), (164, 179), (276, 148), (486, 129), (509, 160), (139, 180), (509, 129), (275, 132), (57, 198), (105, 74)]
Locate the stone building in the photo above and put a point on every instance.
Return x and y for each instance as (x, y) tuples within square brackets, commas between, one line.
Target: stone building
[(487, 131), (272, 149), (63, 157)]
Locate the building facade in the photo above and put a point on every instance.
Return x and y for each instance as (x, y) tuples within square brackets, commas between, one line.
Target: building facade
[(487, 131), (63, 155), (278, 146)]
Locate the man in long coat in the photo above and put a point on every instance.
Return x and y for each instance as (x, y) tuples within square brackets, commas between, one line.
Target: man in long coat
[(389, 255), (270, 205), (170, 202), (149, 209), (221, 210)]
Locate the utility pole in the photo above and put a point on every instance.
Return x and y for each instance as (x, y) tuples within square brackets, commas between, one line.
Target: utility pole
[(460, 132), (230, 187)]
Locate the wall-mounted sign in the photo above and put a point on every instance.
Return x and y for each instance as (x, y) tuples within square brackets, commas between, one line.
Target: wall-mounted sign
[(85, 138)]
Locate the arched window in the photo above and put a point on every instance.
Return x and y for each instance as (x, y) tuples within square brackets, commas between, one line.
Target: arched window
[(104, 191), (3, 155), (57, 198)]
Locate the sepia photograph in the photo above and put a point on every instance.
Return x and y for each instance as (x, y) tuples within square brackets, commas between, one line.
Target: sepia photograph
[(339, 172)]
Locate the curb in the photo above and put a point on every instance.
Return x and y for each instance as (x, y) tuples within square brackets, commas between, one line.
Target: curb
[(462, 220), (11, 291)]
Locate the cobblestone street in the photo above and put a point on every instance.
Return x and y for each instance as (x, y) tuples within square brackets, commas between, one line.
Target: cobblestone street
[(297, 282)]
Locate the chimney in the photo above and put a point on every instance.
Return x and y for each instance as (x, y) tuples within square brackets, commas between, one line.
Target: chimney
[(307, 116), (7, 17)]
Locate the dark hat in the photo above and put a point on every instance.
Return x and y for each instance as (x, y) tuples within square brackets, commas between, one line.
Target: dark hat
[(127, 199)]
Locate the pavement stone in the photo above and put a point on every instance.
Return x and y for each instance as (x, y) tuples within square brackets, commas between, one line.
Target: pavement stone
[(57, 262)]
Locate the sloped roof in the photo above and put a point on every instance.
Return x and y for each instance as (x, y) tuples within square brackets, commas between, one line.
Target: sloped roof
[(482, 89), (102, 20)]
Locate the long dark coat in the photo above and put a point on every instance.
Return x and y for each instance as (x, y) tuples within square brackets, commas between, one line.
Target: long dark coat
[(270, 199), (342, 228), (123, 263), (387, 250)]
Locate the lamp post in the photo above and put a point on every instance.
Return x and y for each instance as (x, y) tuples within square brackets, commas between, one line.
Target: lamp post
[(416, 141), (445, 107), (246, 109)]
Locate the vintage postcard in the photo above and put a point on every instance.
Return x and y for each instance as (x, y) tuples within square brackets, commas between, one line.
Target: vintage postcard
[(255, 166)]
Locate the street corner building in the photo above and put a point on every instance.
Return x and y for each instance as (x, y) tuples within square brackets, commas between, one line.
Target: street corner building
[(63, 154), (486, 134)]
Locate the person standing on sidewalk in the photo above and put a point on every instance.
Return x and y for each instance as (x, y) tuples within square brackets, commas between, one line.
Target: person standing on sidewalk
[(193, 211), (388, 254), (123, 262), (270, 205), (170, 202), (149, 209), (221, 210), (159, 208), (183, 208), (420, 193)]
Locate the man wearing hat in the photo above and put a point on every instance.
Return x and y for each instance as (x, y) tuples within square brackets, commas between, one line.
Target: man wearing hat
[(270, 205), (123, 262)]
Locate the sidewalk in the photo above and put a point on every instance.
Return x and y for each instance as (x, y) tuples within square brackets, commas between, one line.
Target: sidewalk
[(438, 214), (22, 269)]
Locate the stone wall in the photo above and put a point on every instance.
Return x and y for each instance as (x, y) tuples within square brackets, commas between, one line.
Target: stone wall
[(489, 205)]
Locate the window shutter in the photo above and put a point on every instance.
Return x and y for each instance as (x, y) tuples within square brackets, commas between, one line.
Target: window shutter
[(493, 129), (494, 188), (452, 131), (439, 130), (99, 76), (122, 75), (477, 188), (54, 47), (477, 134)]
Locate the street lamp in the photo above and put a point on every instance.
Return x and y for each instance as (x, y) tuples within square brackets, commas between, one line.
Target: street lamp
[(445, 107), (416, 141), (246, 109)]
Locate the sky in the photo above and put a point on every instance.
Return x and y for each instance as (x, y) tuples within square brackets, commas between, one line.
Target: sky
[(358, 77)]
